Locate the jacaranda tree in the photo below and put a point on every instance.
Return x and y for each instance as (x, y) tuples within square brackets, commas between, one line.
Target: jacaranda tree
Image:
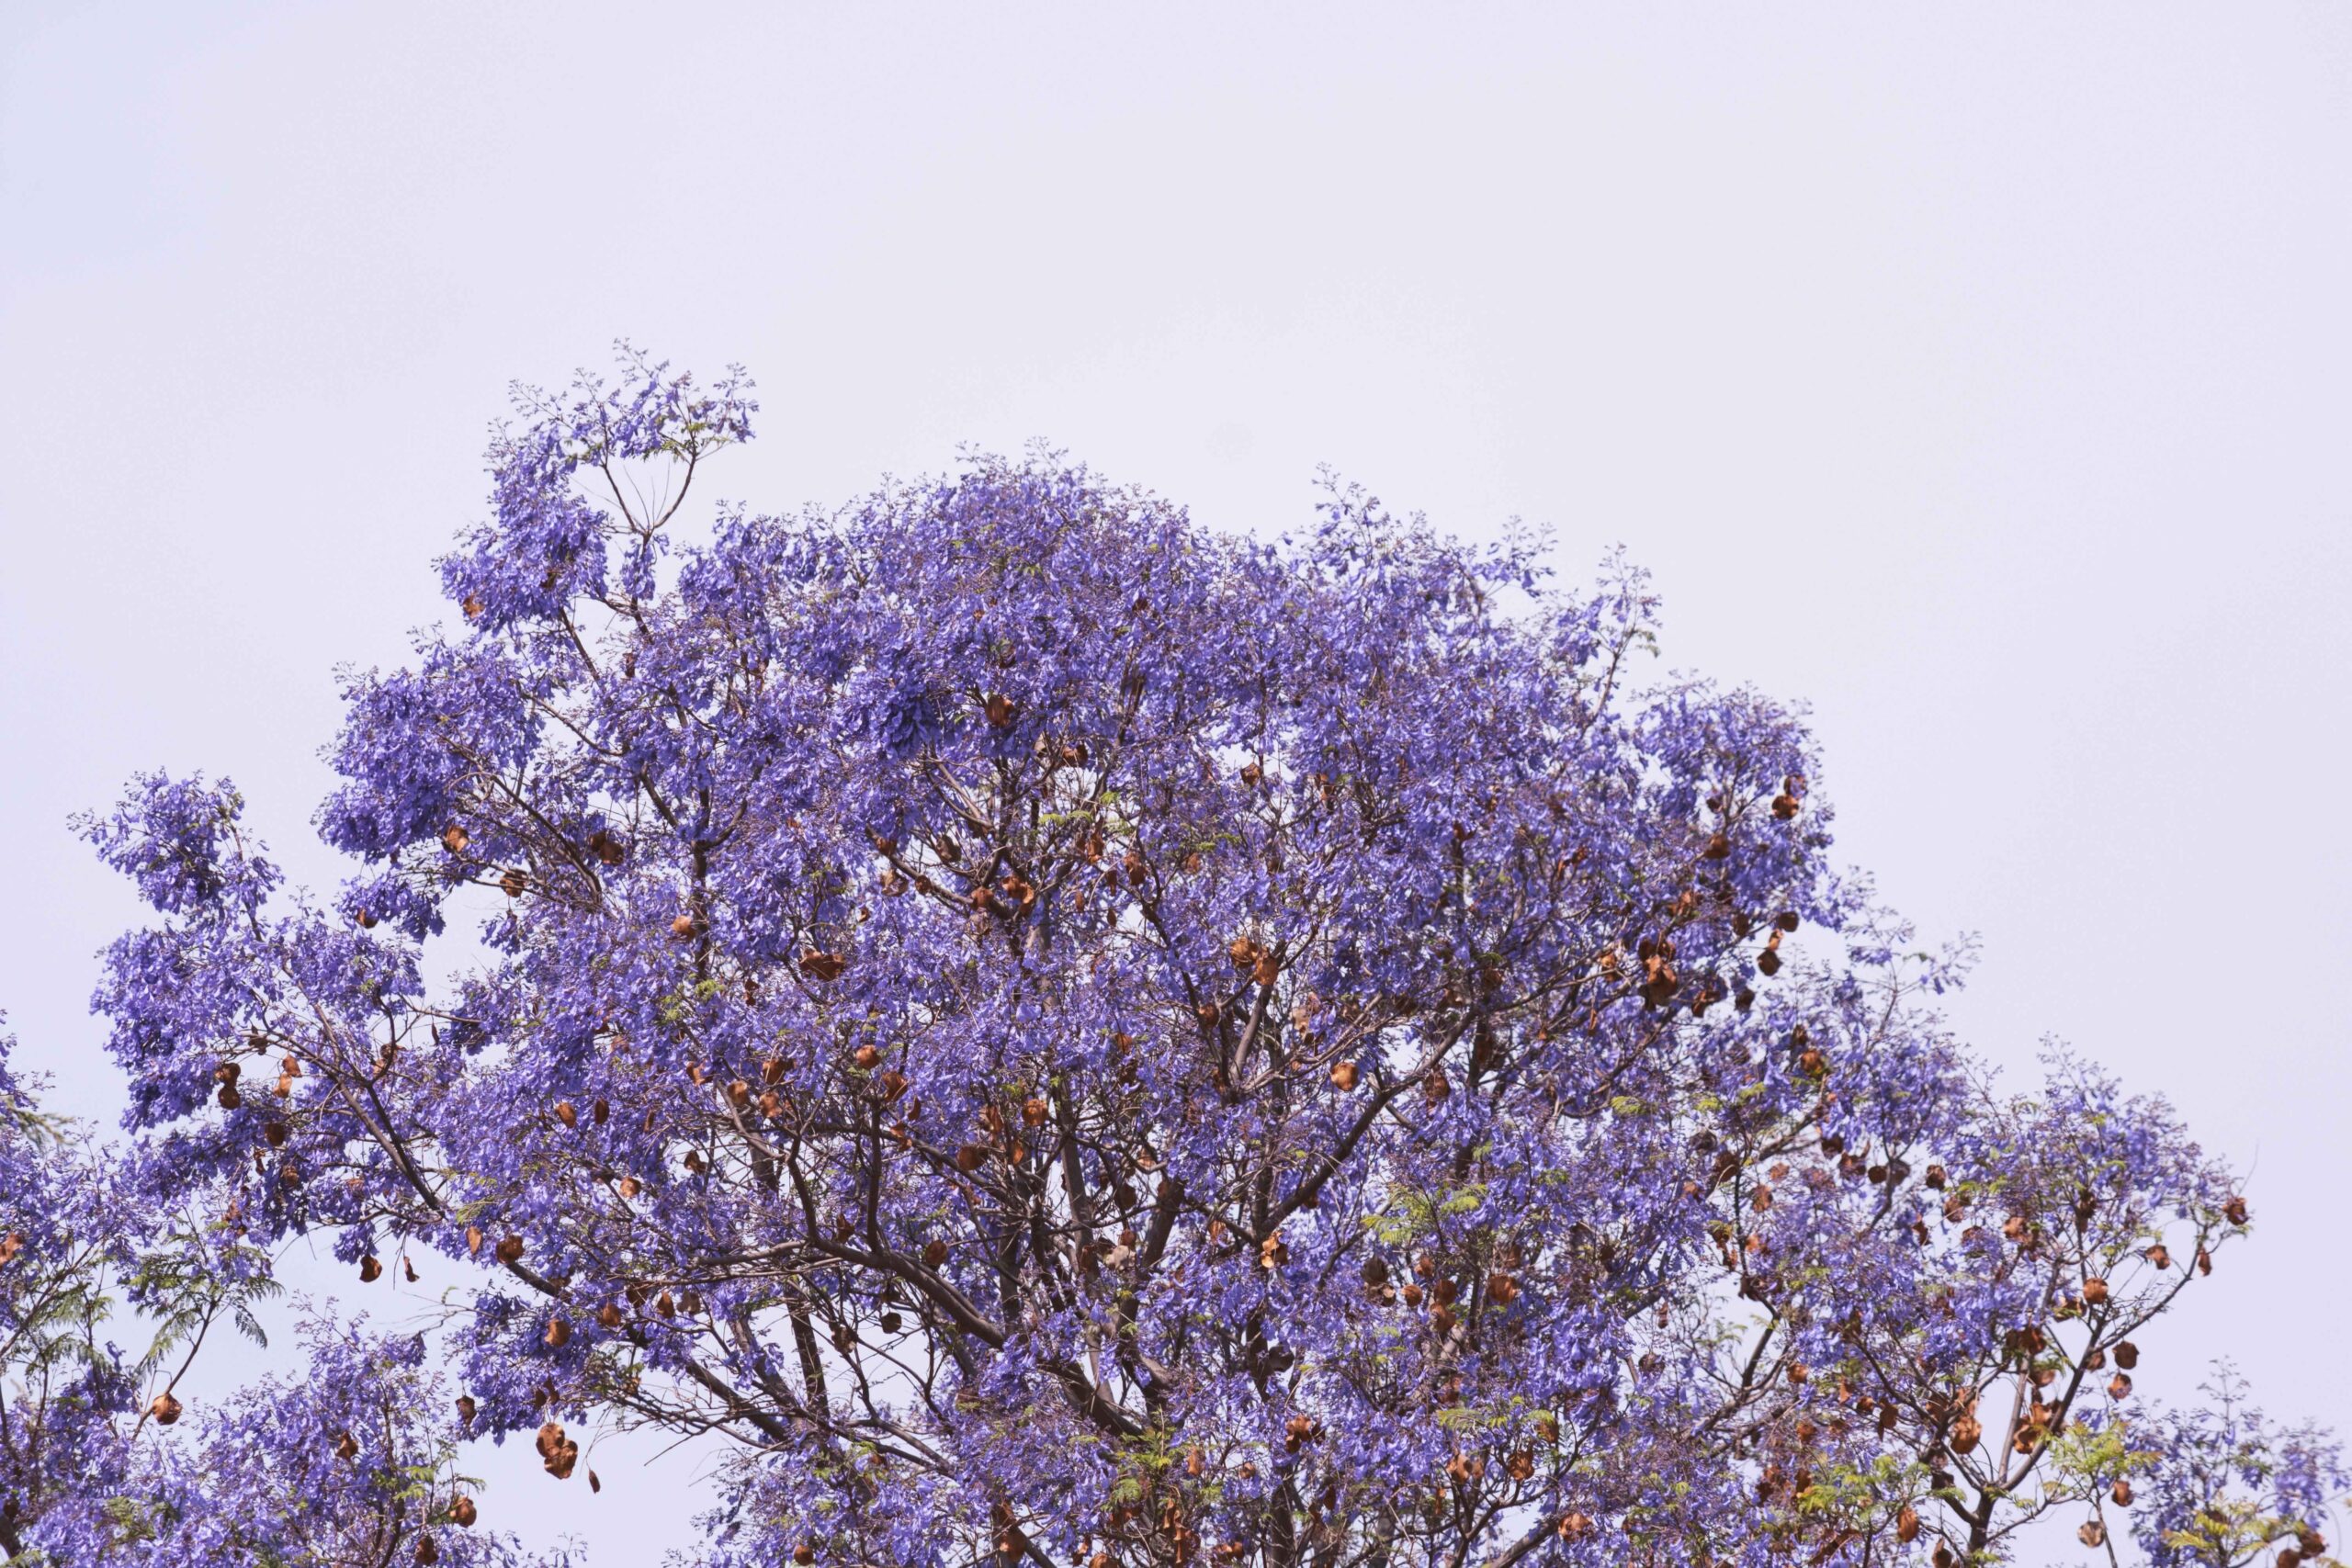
[(1048, 1031)]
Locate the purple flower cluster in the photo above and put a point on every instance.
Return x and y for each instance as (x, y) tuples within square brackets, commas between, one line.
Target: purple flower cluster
[(1064, 1035)]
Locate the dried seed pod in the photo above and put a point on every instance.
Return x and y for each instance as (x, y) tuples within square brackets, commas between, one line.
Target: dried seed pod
[(2235, 1211), (2095, 1291), (934, 1253), (823, 965), (509, 1249), (682, 925), (2121, 1493), (2127, 1355), (1344, 1076), (2159, 1255), (466, 1409), (1966, 1433), (565, 1113), (1906, 1524), (2120, 1386), (463, 1511), (559, 1332), (164, 1408), (2093, 1533), (371, 1269)]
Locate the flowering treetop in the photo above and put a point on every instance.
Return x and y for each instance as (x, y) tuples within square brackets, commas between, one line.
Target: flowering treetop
[(1059, 1035)]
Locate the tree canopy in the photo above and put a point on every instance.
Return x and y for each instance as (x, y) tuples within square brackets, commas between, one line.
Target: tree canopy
[(1052, 1032)]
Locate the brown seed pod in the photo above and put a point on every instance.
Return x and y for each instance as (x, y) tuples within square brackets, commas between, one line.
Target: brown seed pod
[(463, 1511), (228, 1096), (346, 1447), (1344, 1076), (566, 1113), (509, 1249), (970, 1158), (426, 1552), (934, 1253), (2127, 1355), (1034, 1113), (371, 1269), (823, 965), (2120, 1386), (682, 925), (559, 1332), (2235, 1211), (2093, 1533), (514, 881), (2121, 1493), (466, 1409), (2159, 1255), (1906, 1524), (164, 1408), (2095, 1291), (1966, 1433)]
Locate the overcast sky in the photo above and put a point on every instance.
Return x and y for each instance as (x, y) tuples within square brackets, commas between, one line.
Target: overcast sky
[(1977, 374)]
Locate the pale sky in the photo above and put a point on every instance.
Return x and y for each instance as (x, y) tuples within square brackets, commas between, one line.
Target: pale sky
[(1981, 375)]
